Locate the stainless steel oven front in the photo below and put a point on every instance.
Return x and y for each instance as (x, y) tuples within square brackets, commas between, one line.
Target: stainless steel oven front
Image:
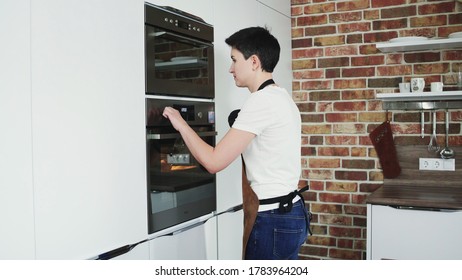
[(179, 53), (179, 188)]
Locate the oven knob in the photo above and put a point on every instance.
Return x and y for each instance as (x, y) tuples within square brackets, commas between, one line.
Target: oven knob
[(199, 115)]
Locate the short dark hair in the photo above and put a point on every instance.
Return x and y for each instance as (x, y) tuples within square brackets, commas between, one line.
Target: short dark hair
[(258, 41)]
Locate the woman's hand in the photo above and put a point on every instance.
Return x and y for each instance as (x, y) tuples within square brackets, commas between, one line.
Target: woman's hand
[(175, 118)]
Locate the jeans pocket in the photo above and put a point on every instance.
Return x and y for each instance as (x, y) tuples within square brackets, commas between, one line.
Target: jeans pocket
[(287, 243)]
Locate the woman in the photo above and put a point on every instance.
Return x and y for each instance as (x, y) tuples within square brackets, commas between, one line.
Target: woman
[(267, 134)]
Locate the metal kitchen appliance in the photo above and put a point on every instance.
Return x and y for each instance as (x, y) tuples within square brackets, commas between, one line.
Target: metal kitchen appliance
[(179, 188), (179, 53), (180, 74)]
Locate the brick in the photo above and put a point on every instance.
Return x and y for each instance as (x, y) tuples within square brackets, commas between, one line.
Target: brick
[(319, 8), (358, 152), (354, 27), (345, 232), (341, 140), (386, 3), (399, 12), (420, 21), (316, 129), (351, 175), (307, 53), (316, 85), (333, 62), (368, 60), (355, 210), (357, 164), (314, 251), (383, 82), (359, 198), (324, 163), (354, 39), (334, 198), (302, 43), (341, 51), (420, 69), (320, 30), (308, 74), (413, 57), (394, 70), (371, 14), (308, 151), (318, 174), (341, 117), (332, 73), (345, 17), (350, 83), (312, 20), (358, 72), (358, 94), (389, 24), (348, 128), (326, 208), (341, 186), (329, 41), (345, 254), (333, 151), (316, 140), (437, 8), (345, 243), (324, 95), (340, 220), (353, 5), (383, 36), (322, 241)]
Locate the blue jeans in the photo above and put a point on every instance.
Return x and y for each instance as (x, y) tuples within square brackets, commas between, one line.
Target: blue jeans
[(278, 236)]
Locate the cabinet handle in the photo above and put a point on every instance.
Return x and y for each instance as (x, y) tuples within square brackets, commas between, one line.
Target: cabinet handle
[(161, 136)]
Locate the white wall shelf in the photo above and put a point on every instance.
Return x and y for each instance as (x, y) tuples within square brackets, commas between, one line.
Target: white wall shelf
[(431, 44), (421, 101)]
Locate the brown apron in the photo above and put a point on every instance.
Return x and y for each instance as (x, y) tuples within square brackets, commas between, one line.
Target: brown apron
[(250, 205)]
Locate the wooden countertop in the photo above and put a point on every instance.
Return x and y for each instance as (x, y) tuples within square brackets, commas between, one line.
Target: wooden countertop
[(418, 196)]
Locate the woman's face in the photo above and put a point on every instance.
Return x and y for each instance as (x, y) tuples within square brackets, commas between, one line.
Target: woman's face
[(241, 68)]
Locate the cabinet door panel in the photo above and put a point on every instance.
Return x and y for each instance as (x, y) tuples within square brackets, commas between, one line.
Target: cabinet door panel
[(415, 234), (16, 188), (88, 126)]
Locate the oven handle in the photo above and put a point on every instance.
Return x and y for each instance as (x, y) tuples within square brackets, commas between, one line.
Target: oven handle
[(183, 38), (161, 136)]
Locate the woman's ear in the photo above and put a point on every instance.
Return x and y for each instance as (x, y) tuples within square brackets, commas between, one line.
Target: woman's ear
[(255, 62)]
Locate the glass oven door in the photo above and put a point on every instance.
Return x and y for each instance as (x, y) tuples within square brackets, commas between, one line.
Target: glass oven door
[(178, 65), (179, 187)]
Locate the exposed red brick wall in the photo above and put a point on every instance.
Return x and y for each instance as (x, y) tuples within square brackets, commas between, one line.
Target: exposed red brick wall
[(337, 73)]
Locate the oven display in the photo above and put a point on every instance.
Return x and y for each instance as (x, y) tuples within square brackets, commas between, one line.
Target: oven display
[(186, 111)]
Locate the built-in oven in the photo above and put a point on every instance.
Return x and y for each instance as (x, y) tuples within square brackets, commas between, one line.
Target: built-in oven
[(179, 187), (179, 53)]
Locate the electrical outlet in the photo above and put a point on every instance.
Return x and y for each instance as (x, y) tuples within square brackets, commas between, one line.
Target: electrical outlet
[(437, 164)]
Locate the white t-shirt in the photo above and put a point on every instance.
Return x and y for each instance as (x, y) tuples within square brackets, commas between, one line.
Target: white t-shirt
[(273, 157)]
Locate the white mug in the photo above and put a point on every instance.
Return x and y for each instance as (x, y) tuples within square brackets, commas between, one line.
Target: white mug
[(417, 84), (404, 87), (437, 87)]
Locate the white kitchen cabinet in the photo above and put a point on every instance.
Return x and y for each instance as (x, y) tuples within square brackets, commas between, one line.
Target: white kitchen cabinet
[(198, 241), (413, 234), (16, 187), (80, 141)]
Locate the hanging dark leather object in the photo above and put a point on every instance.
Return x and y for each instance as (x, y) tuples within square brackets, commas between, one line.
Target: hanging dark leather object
[(382, 139)]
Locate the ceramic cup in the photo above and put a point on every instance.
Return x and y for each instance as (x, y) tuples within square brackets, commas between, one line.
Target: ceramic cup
[(436, 86), (404, 87), (417, 84)]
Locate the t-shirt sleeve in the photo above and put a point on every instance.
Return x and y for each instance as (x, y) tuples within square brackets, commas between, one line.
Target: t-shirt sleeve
[(255, 115)]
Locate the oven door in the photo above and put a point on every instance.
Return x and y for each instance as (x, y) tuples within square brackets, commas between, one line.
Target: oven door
[(178, 65), (179, 188)]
